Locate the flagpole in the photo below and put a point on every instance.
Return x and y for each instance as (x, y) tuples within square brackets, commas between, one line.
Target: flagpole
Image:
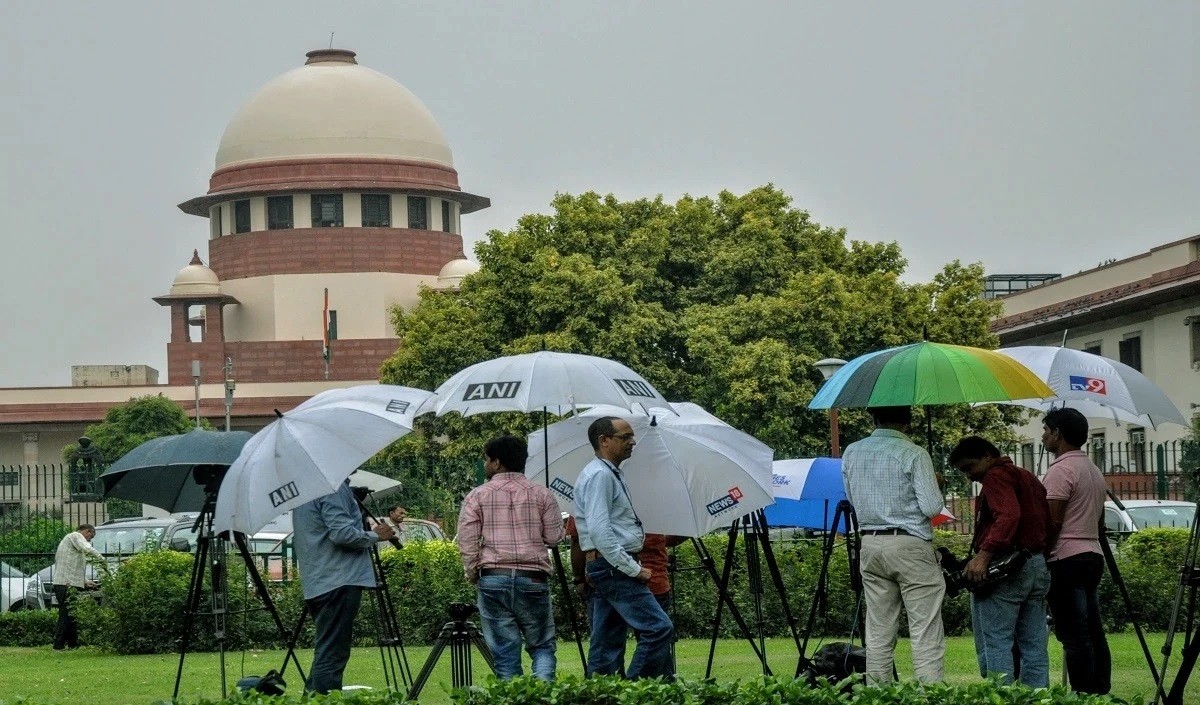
[(325, 333)]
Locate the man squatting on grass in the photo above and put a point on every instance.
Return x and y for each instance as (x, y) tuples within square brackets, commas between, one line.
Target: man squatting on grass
[(611, 537), (504, 528)]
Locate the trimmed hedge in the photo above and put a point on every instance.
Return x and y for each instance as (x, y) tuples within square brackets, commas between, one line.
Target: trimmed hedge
[(144, 601), (28, 628)]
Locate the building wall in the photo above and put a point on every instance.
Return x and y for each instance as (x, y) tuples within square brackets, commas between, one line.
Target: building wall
[(112, 375), (289, 307), (1100, 278)]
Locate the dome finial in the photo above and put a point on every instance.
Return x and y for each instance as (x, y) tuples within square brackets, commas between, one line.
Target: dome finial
[(196, 257), (339, 56)]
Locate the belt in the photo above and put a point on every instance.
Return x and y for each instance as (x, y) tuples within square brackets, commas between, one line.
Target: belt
[(536, 576), (595, 555), (891, 532)]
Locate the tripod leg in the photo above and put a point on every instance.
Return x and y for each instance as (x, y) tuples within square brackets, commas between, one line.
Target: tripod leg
[(759, 520), (260, 587), (1186, 572), (195, 587), (724, 599), (754, 576), (481, 645), (293, 640), (439, 645), (569, 601), (1115, 573)]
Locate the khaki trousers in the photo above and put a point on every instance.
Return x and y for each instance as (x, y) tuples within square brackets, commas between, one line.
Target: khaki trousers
[(903, 570)]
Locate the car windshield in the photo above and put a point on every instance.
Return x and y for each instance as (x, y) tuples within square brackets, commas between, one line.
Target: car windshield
[(1178, 516), (7, 571), (410, 532), (116, 540)]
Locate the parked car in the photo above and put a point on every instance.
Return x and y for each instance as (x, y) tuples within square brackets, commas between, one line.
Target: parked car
[(1147, 513), (118, 539), (12, 588)]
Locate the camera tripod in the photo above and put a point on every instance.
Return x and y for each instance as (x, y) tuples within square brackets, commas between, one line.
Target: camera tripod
[(396, 672), (211, 553), (1189, 589), (460, 635)]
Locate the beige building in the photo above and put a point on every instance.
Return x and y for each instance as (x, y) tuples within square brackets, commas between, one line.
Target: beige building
[(1143, 311), (331, 178)]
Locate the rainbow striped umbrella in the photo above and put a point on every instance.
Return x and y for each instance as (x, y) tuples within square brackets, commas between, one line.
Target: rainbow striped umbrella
[(928, 373)]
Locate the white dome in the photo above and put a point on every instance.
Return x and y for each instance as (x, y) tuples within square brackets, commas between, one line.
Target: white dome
[(196, 280), (454, 271), (331, 107)]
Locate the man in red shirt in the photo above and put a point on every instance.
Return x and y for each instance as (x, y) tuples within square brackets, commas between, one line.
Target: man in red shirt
[(1011, 514)]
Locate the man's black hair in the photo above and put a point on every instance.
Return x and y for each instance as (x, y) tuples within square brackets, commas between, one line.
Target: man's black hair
[(1070, 424), (891, 415), (973, 448), (512, 452), (602, 426)]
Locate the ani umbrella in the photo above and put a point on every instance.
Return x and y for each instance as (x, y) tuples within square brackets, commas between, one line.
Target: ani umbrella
[(160, 473), (690, 472), (543, 380), (309, 451), (1096, 386)]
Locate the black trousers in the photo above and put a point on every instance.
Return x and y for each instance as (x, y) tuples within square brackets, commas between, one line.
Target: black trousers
[(333, 615), (1077, 624), (66, 634)]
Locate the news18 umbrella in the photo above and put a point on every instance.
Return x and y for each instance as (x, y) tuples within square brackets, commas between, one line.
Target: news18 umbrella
[(690, 472)]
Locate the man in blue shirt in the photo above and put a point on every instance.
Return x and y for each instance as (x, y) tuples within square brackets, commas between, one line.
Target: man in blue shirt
[(611, 536), (335, 565)]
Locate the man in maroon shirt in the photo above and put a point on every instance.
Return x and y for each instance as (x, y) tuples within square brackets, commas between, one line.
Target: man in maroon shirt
[(1011, 514)]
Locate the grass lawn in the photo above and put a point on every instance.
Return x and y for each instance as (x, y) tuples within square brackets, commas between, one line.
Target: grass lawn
[(88, 676)]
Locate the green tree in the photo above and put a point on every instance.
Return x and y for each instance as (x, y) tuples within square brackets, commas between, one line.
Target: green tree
[(127, 426), (724, 301)]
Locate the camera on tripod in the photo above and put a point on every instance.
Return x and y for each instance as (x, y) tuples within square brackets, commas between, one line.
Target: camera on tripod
[(461, 611), (997, 572)]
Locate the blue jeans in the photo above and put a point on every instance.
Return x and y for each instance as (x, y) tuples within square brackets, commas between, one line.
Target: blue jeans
[(512, 609), (618, 603), (1014, 614), (1077, 624), (333, 616)]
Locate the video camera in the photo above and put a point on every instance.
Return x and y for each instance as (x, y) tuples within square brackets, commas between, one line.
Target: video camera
[(461, 611), (998, 571)]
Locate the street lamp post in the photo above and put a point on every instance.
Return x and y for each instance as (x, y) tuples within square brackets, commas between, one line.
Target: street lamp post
[(827, 368)]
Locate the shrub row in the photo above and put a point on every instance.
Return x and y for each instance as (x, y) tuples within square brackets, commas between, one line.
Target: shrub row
[(144, 601)]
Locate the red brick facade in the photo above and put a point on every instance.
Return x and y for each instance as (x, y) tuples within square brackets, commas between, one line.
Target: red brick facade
[(279, 360), (332, 173), (328, 250)]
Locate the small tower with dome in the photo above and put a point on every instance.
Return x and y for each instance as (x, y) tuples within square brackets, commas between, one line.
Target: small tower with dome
[(332, 177)]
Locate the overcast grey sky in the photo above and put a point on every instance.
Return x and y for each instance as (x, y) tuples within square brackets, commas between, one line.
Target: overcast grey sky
[(1029, 136)]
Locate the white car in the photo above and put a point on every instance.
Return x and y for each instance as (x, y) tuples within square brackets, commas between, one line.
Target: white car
[(12, 588), (1148, 513)]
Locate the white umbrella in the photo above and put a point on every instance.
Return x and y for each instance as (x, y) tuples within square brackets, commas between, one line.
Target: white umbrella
[(690, 472), (1096, 386), (308, 452), (543, 380)]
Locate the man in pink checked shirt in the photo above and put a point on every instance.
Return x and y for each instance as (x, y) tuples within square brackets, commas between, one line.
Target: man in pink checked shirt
[(503, 530)]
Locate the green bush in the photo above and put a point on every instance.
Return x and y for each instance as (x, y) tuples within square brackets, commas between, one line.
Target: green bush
[(1149, 562), (28, 628), (423, 578)]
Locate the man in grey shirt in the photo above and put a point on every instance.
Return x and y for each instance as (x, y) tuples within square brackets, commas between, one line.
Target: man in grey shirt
[(611, 536), (333, 549)]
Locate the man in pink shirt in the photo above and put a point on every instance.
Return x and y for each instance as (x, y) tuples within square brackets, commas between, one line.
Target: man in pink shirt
[(1075, 491), (504, 528)]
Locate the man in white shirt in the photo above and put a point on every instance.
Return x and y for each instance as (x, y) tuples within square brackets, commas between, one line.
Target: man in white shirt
[(892, 485), (70, 576)]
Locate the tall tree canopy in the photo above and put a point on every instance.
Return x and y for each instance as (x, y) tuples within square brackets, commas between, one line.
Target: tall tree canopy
[(127, 426), (726, 302)]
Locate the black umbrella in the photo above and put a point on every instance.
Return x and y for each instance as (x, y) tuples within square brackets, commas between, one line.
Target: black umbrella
[(160, 473)]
